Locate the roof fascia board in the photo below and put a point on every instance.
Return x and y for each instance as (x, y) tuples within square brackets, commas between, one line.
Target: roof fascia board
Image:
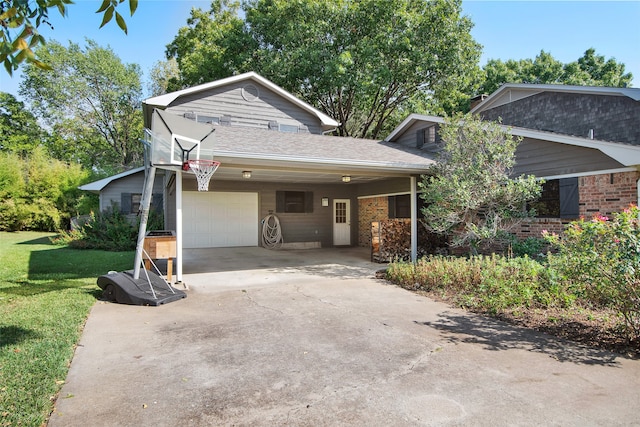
[(590, 173), (165, 100), (101, 183)]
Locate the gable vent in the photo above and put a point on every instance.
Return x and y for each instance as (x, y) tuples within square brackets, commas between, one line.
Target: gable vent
[(250, 92)]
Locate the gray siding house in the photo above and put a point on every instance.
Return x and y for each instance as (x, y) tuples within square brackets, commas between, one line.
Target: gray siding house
[(275, 159)]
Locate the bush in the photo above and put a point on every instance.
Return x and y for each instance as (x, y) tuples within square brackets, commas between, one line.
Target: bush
[(109, 230), (600, 260), (37, 193), (484, 283)]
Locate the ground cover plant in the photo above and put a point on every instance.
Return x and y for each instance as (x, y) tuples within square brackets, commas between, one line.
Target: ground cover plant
[(588, 290), (46, 293)]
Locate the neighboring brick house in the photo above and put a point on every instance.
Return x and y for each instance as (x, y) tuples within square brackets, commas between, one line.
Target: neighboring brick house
[(584, 141)]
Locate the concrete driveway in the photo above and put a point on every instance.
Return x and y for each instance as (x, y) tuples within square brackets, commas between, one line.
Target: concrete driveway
[(312, 339)]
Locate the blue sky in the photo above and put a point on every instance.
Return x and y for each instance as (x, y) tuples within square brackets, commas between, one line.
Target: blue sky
[(506, 29)]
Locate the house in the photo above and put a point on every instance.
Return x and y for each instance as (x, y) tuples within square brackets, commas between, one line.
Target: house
[(275, 158), (123, 191), (584, 142)]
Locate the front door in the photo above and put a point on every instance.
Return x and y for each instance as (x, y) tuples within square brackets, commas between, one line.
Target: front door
[(341, 222)]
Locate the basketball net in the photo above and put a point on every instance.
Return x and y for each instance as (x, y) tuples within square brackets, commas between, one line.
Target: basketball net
[(203, 169)]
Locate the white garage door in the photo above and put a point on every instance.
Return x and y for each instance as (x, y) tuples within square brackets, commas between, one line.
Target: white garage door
[(219, 219)]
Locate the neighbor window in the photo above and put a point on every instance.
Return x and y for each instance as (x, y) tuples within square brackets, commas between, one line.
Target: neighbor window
[(294, 201), (288, 128), (135, 203)]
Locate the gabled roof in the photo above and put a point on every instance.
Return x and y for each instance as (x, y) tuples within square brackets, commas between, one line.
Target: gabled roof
[(163, 101), (628, 155), (509, 92), (97, 186)]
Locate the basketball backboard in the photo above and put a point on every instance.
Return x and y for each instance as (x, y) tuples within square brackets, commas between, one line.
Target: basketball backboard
[(174, 140)]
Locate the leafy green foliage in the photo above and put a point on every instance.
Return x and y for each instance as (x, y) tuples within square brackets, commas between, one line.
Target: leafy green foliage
[(92, 103), (19, 128), (489, 284), (46, 293), (600, 259), (364, 63), (21, 19), (37, 192), (469, 193), (109, 230), (589, 70)]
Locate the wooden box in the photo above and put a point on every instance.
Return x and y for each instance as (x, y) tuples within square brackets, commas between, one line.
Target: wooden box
[(160, 244)]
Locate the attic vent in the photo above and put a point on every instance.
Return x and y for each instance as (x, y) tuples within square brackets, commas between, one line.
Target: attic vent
[(250, 92)]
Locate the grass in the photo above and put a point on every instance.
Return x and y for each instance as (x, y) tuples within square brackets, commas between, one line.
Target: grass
[(46, 293)]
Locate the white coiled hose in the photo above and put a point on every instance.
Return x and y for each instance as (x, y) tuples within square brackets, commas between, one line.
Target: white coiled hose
[(271, 232)]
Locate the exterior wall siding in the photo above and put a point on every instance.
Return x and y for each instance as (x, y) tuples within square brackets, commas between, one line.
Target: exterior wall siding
[(130, 184), (316, 226), (256, 113), (612, 118)]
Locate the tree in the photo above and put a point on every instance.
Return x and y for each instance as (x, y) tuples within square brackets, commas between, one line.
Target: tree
[(92, 103), (469, 193), (25, 17), (364, 63), (19, 128), (589, 70), (163, 76)]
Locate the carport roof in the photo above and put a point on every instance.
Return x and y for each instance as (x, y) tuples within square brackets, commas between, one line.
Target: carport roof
[(261, 146)]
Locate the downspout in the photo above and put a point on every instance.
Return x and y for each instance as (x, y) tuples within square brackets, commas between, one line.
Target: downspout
[(414, 219), (179, 239)]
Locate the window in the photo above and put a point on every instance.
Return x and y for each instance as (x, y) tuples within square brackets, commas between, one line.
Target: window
[(426, 136), (288, 128), (400, 206), (208, 119), (559, 199), (294, 201), (130, 202)]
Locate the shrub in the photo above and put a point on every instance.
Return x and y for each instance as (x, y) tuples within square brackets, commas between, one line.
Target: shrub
[(600, 260), (109, 230), (484, 283)]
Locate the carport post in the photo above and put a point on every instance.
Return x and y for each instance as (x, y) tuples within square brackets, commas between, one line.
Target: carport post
[(179, 239), (414, 219)]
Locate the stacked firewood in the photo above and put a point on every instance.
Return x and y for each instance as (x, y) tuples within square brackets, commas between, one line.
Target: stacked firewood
[(391, 240)]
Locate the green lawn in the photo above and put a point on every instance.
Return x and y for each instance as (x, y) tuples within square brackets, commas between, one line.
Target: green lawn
[(46, 293)]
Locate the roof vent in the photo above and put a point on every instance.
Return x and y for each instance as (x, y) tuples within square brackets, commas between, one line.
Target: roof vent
[(590, 133), (250, 92)]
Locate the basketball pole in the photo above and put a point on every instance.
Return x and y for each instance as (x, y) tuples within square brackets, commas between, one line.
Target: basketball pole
[(144, 217)]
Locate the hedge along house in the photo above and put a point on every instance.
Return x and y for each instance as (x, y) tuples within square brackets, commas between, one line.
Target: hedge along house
[(584, 142), (275, 159)]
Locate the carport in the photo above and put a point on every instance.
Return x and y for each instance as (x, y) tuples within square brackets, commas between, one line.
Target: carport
[(260, 168)]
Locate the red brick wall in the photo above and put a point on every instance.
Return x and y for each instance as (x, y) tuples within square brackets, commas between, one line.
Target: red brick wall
[(597, 194), (370, 210), (607, 193)]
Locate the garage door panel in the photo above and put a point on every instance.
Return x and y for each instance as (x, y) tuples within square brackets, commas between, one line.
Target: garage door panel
[(220, 219)]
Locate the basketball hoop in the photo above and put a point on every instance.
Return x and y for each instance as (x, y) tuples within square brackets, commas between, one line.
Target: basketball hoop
[(203, 169)]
